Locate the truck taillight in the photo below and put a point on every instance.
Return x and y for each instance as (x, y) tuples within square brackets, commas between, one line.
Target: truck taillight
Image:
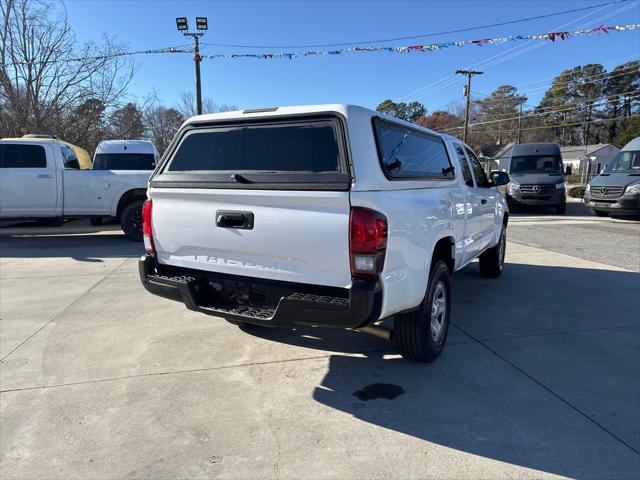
[(367, 241), (147, 231)]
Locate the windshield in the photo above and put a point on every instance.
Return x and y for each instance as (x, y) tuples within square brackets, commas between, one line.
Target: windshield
[(124, 161), (628, 161), (536, 164)]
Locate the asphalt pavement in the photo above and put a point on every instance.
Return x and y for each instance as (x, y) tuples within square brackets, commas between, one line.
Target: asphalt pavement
[(579, 233), (98, 379)]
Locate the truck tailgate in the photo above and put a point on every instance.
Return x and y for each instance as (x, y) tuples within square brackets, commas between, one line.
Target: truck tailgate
[(296, 236)]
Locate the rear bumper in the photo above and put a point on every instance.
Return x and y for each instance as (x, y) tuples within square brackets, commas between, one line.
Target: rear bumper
[(625, 204), (295, 304)]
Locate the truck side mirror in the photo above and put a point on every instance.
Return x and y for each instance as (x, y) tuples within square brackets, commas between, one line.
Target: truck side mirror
[(499, 178), (567, 170)]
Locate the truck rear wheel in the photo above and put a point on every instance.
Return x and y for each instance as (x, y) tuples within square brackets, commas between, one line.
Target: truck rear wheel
[(131, 220), (492, 260), (420, 335)]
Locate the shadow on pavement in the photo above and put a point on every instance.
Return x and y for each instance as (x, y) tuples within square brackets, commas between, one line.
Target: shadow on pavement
[(472, 400), (80, 247)]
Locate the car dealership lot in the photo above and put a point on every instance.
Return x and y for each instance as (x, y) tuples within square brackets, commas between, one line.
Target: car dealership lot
[(540, 376)]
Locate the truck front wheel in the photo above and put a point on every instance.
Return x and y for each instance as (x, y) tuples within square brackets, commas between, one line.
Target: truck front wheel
[(420, 335), (131, 220)]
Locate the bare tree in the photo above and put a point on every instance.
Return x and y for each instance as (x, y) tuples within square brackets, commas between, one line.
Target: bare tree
[(46, 76), (161, 125), (439, 120), (187, 105), (126, 122)]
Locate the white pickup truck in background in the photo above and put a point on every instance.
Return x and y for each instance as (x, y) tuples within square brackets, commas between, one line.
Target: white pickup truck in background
[(41, 179), (329, 215)]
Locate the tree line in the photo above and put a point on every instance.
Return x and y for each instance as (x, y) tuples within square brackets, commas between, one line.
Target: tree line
[(583, 105), (52, 84)]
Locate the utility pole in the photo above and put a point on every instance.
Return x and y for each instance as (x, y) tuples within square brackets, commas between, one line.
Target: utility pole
[(469, 74), (201, 25), (586, 145), (586, 135), (519, 123)]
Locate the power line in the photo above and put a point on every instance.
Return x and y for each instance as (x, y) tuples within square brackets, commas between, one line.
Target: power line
[(484, 64), (561, 124), (451, 79), (558, 86), (579, 106), (610, 62), (425, 35), (594, 78)]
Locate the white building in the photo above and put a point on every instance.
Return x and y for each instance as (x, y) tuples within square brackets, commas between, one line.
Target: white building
[(589, 161)]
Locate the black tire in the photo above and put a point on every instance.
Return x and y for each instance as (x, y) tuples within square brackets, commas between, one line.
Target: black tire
[(96, 221), (561, 209), (600, 213), (413, 334), (131, 220), (492, 260)]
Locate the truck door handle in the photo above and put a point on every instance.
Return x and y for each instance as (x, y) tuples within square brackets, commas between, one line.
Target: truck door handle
[(483, 201), (233, 219), (44, 175)]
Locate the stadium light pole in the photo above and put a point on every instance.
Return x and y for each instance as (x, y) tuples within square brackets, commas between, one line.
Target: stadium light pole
[(201, 26)]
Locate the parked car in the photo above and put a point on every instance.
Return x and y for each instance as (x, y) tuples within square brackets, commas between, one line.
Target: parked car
[(41, 179), (537, 176), (125, 155), (329, 215), (617, 189)]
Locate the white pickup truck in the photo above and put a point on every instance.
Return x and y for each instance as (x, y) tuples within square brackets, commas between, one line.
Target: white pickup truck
[(41, 179), (328, 215)]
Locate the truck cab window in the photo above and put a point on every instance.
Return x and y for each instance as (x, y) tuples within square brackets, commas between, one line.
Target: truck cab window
[(70, 158), (466, 171), (478, 171), (407, 153), (22, 156)]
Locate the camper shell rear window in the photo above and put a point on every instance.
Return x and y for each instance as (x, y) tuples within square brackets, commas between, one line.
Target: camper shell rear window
[(287, 153)]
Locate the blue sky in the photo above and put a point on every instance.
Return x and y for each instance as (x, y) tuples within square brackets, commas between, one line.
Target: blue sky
[(360, 78)]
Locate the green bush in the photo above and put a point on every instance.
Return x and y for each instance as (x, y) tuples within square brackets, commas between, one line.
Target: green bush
[(576, 192)]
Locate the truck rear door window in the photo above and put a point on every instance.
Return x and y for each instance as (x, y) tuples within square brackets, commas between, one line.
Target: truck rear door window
[(22, 156), (309, 147), (406, 153)]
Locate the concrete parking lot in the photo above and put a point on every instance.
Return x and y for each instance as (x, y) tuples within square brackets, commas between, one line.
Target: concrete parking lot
[(540, 377)]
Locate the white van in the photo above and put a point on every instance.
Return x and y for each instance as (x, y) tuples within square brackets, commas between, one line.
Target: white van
[(125, 155)]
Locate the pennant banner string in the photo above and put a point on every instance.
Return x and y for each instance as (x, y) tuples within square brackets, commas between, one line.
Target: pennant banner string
[(432, 47)]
